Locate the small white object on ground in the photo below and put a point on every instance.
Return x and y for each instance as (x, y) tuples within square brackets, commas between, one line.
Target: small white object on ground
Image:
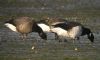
[(33, 47), (76, 49)]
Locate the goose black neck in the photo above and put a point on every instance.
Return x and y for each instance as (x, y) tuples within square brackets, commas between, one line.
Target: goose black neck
[(36, 28), (85, 31)]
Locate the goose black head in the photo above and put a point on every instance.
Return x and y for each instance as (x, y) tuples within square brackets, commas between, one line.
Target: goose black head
[(91, 37), (87, 31)]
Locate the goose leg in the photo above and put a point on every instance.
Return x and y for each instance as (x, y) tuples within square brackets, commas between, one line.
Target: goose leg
[(23, 36), (74, 44)]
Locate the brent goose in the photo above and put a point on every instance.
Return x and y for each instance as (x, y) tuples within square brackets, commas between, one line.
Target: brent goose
[(25, 25), (46, 23), (72, 30)]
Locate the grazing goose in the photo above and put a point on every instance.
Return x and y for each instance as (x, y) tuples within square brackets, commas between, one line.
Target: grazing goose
[(47, 29), (25, 25), (72, 30), (46, 23)]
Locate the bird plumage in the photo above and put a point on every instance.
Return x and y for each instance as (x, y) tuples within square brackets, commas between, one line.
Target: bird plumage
[(73, 30), (24, 25)]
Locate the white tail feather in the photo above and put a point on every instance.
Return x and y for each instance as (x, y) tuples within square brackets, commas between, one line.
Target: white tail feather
[(10, 26)]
